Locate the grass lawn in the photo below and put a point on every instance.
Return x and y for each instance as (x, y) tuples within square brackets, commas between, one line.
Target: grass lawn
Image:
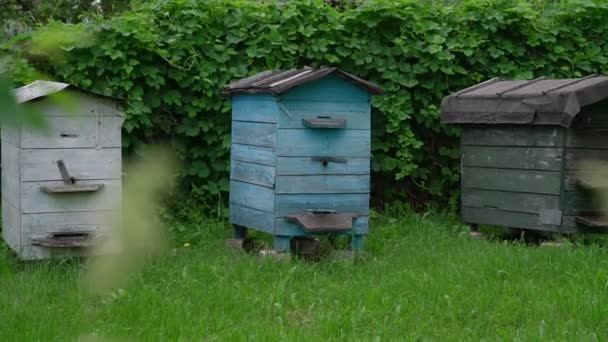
[(423, 278)]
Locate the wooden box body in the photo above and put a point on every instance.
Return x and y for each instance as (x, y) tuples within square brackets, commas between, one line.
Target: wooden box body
[(89, 143), (526, 176), (274, 172)]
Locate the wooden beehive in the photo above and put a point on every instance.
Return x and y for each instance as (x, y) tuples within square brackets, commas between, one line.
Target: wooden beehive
[(524, 149), (62, 185), (300, 160)]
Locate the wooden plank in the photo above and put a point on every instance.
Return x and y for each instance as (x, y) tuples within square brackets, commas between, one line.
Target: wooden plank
[(575, 202), (252, 173), (511, 201), (529, 181), (588, 138), (111, 132), (577, 159), (254, 133), (253, 154), (64, 132), (11, 225), (321, 184), (41, 223), (513, 136), (254, 108), (75, 104), (10, 184), (341, 203), (69, 188), (592, 138), (332, 143), (507, 157), (33, 200), (330, 89), (572, 177), (82, 164), (356, 114), (308, 166), (11, 135), (251, 196), (252, 218), (286, 228), (503, 218)]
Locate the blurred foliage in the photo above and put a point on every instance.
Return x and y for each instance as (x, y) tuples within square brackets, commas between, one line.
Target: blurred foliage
[(171, 58)]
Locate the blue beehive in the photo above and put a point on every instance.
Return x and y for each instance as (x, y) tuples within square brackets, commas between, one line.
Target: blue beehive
[(300, 160)]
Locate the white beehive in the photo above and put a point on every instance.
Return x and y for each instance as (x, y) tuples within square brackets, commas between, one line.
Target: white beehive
[(61, 185)]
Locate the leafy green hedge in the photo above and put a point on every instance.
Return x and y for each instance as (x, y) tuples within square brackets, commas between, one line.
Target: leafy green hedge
[(172, 57)]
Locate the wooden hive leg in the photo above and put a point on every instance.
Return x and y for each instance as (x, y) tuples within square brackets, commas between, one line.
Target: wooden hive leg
[(282, 244), (240, 232), (356, 244)]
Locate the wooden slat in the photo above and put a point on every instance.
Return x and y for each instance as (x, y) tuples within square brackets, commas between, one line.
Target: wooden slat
[(341, 203), (322, 184), (511, 201), (575, 202), (252, 173), (253, 154), (11, 135), (41, 223), (314, 142), (35, 201), (254, 108), (588, 138), (328, 89), (82, 164), (535, 158), (11, 190), (251, 196), (307, 166), (11, 224), (73, 132), (286, 228), (530, 181), (576, 159), (254, 133), (497, 217), (573, 177), (252, 218), (513, 136), (356, 114)]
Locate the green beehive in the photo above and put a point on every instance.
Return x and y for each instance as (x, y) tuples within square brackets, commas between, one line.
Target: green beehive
[(524, 148)]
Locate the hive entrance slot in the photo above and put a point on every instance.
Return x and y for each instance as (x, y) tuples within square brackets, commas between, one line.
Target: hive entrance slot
[(73, 239)]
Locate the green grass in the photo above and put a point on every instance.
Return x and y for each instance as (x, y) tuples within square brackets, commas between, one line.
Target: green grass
[(423, 278)]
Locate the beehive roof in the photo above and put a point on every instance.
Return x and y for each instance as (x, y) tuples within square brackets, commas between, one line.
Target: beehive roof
[(539, 101), (280, 81), (38, 89)]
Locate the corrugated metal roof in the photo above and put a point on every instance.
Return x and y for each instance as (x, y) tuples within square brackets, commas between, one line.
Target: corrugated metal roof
[(540, 101), (39, 89), (278, 82)]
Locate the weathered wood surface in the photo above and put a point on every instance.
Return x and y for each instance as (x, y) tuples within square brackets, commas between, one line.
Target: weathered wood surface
[(356, 114), (82, 164), (37, 224), (330, 89), (252, 196), (252, 218), (254, 133), (322, 184), (573, 178), (504, 218), (577, 159), (575, 202), (300, 203), (71, 188), (11, 224), (284, 227), (308, 166), (33, 200), (514, 136), (592, 138), (254, 108), (74, 132), (11, 135), (510, 201), (530, 181), (258, 174), (314, 142), (11, 190), (253, 154), (503, 157)]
